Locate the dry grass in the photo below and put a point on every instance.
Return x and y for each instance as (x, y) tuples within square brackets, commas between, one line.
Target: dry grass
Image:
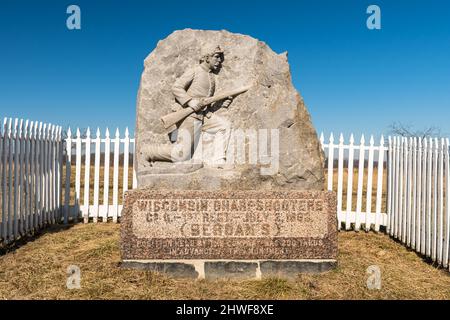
[(37, 270)]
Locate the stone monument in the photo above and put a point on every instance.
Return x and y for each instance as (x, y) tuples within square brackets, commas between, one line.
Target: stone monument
[(229, 167)]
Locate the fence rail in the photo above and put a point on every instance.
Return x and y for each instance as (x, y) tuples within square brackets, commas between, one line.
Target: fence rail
[(30, 177)]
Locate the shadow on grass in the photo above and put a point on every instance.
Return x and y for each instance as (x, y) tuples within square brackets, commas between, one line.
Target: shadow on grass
[(32, 236), (419, 255)]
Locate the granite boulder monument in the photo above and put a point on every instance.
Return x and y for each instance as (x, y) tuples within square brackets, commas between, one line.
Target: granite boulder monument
[(229, 166)]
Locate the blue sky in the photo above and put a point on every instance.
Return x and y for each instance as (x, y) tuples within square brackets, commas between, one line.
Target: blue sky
[(352, 79)]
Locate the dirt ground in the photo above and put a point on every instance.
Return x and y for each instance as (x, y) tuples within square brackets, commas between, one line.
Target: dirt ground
[(37, 270)]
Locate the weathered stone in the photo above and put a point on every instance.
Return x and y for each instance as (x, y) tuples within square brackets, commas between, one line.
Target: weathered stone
[(174, 269), (230, 269), (290, 269), (272, 103), (230, 225)]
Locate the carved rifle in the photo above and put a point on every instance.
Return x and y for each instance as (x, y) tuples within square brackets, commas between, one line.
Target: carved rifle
[(173, 118)]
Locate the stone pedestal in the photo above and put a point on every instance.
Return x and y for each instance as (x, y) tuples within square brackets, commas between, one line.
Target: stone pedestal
[(229, 234)]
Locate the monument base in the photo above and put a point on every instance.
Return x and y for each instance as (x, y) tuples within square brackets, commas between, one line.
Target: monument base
[(232, 269), (229, 234)]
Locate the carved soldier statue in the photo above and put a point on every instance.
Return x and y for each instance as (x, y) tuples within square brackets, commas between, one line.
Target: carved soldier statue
[(194, 85)]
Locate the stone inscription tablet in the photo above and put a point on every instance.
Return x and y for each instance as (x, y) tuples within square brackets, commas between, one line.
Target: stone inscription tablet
[(229, 225)]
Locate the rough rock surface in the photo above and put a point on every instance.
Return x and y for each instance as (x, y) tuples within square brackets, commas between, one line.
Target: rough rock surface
[(273, 103)]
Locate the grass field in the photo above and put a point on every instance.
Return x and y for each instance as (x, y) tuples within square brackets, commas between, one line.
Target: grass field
[(37, 270)]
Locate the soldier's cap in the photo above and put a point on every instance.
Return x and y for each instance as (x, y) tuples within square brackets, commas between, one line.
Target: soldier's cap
[(210, 50)]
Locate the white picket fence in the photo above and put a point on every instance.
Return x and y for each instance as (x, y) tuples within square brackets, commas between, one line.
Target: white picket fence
[(419, 204), (87, 194), (359, 208), (30, 177), (115, 176)]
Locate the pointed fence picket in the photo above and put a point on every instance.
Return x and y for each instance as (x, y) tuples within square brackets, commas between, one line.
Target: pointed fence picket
[(30, 179), (368, 208), (104, 184), (419, 206)]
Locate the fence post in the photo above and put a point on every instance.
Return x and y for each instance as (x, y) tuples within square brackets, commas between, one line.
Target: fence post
[(351, 151), (419, 196), (16, 175), (405, 191), (58, 159), (379, 185), (126, 158), (446, 258), (45, 173), (78, 174), (10, 181), (340, 179), (368, 218), (435, 200), (51, 173), (390, 185), (401, 160), (360, 183), (409, 192), (68, 175), (423, 200), (429, 190), (440, 217), (32, 184), (97, 176), (40, 175), (106, 176), (48, 173), (60, 171), (425, 166), (25, 179), (51, 162), (414, 196), (87, 171), (116, 176)]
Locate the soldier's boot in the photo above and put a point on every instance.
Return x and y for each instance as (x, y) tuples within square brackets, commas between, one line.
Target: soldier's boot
[(159, 160)]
